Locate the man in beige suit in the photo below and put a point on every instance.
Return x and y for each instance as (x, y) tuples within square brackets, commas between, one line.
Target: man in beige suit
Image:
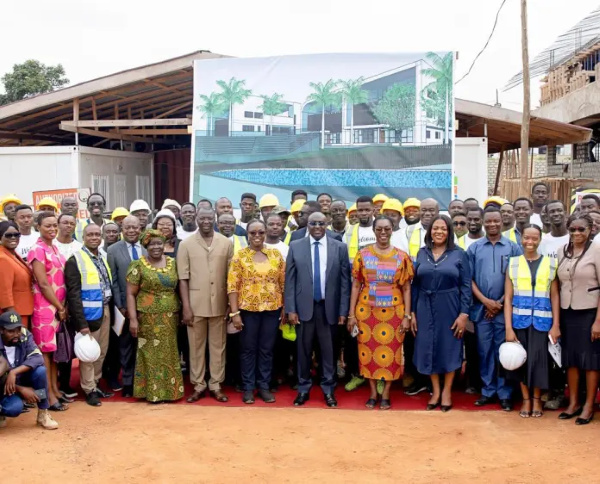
[(202, 263)]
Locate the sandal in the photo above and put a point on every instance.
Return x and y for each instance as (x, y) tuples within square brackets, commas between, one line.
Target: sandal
[(64, 399), (525, 413), (385, 404), (58, 407), (536, 413), (371, 402)]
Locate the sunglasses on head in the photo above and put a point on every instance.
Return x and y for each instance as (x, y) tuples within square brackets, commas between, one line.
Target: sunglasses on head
[(13, 235), (577, 229), (317, 224)]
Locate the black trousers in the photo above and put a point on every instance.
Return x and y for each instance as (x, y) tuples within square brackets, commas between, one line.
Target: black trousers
[(472, 357), (305, 337), (233, 374), (127, 352), (257, 341)]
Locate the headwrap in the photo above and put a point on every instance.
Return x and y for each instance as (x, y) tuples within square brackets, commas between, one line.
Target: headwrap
[(150, 234)]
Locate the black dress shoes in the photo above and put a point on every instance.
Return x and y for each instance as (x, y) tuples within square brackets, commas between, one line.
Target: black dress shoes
[(330, 400), (569, 416), (506, 405), (485, 401), (584, 421), (301, 399), (127, 391)]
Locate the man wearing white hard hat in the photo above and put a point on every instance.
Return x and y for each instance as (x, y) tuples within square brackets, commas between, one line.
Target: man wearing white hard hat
[(141, 210), (89, 294)]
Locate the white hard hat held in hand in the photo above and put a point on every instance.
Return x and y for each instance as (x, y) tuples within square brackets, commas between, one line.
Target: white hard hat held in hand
[(87, 348), (512, 355)]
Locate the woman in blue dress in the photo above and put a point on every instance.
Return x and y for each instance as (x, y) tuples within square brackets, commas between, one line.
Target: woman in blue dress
[(441, 293)]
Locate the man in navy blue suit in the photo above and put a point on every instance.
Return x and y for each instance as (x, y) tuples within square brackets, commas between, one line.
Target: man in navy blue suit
[(317, 299)]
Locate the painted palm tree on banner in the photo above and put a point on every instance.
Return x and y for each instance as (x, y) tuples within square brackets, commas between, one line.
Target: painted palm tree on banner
[(233, 92), (272, 105), (212, 106), (441, 73), (323, 95), (352, 93)]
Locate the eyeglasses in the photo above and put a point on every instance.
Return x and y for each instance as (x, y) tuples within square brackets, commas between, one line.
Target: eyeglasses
[(13, 235), (317, 224), (577, 229), (459, 224)]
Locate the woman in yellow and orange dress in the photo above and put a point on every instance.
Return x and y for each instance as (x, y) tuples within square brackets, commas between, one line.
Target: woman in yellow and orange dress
[(380, 304)]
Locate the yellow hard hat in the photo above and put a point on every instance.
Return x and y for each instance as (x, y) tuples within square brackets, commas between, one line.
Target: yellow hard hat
[(497, 200), (352, 208), (48, 201), (380, 197), (11, 197), (297, 205), (393, 204), (412, 202), (268, 200), (119, 212)]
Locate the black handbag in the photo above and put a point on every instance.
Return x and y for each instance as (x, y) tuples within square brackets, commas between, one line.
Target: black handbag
[(64, 344)]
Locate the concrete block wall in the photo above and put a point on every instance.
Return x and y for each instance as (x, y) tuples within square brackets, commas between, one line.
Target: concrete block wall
[(539, 170), (581, 168)]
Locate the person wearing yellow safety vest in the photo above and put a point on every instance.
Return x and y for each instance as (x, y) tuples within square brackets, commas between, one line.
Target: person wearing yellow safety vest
[(412, 211), (474, 227), (416, 233), (96, 204), (297, 205), (339, 223), (88, 280), (459, 226), (531, 313), (378, 201), (226, 225), (523, 209), (352, 215), (393, 209)]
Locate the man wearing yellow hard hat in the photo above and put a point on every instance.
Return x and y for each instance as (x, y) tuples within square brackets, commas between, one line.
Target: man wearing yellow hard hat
[(118, 215), (352, 215), (412, 207), (393, 209), (378, 201), (266, 205), (47, 204), (8, 205), (495, 202)]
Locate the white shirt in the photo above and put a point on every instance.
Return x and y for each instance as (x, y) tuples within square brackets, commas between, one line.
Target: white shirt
[(10, 354), (535, 219), (550, 245), (138, 248), (184, 234), (366, 236), (399, 240), (242, 224), (67, 250), (469, 240), (322, 260), (281, 247), (26, 242)]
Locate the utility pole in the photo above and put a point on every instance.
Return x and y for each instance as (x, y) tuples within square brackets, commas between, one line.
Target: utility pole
[(523, 171)]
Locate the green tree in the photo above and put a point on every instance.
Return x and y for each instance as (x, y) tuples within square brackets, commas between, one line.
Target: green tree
[(352, 93), (441, 72), (397, 107), (323, 95), (213, 105), (233, 92), (31, 78), (272, 105)]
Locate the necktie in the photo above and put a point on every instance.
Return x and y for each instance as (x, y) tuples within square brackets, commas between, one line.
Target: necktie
[(317, 275), (134, 253)]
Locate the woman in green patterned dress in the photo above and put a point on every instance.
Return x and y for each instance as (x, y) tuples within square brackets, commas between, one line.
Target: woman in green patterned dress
[(153, 307)]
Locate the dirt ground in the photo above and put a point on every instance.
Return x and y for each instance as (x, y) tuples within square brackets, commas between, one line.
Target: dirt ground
[(137, 443)]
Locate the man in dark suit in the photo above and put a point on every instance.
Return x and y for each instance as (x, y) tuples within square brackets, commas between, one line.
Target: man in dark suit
[(317, 298), (307, 210), (120, 256)]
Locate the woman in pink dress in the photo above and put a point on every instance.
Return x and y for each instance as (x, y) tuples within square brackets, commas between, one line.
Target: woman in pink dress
[(49, 294)]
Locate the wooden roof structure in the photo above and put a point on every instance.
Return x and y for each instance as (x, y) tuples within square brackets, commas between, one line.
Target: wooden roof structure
[(502, 127), (148, 104)]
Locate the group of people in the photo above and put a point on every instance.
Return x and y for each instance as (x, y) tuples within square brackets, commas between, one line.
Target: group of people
[(377, 292)]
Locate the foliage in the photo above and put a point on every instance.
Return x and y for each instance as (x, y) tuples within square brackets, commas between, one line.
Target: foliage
[(324, 95), (434, 106), (233, 92), (352, 93), (437, 95), (31, 78), (397, 107), (272, 104), (213, 105)]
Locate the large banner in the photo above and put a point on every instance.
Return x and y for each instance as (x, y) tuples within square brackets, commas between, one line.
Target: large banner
[(346, 124)]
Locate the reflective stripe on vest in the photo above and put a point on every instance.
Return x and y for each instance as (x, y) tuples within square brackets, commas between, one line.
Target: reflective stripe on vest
[(352, 241), (414, 244), (511, 234), (288, 238), (91, 289), (531, 305), (239, 242)]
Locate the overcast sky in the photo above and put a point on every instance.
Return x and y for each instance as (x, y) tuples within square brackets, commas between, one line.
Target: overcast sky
[(92, 38)]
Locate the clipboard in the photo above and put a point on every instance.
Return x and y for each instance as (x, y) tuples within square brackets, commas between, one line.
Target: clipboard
[(119, 321)]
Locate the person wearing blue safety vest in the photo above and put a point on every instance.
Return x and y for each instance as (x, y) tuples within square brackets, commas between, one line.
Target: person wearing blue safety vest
[(522, 209), (531, 313), (88, 279), (96, 204), (489, 258)]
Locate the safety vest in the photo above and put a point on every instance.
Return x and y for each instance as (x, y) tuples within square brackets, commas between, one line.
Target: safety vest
[(414, 242), (462, 243), (531, 305), (288, 238), (239, 242), (92, 297), (351, 239), (513, 235), (81, 225)]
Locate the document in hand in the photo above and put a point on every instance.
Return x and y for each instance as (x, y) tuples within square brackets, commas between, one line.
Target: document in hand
[(555, 351)]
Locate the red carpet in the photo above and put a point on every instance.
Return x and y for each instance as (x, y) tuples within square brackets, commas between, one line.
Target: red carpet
[(285, 397)]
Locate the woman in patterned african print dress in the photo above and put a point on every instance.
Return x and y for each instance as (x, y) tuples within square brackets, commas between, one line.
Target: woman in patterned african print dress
[(153, 306), (380, 294)]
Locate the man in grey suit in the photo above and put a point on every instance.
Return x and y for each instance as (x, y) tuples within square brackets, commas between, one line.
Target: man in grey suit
[(120, 255), (317, 298)]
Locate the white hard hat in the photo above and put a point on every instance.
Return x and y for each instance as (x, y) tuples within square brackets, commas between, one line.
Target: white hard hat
[(139, 205), (87, 348), (512, 355)]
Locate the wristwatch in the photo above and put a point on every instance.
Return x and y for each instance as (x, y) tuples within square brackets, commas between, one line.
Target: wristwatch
[(408, 316)]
